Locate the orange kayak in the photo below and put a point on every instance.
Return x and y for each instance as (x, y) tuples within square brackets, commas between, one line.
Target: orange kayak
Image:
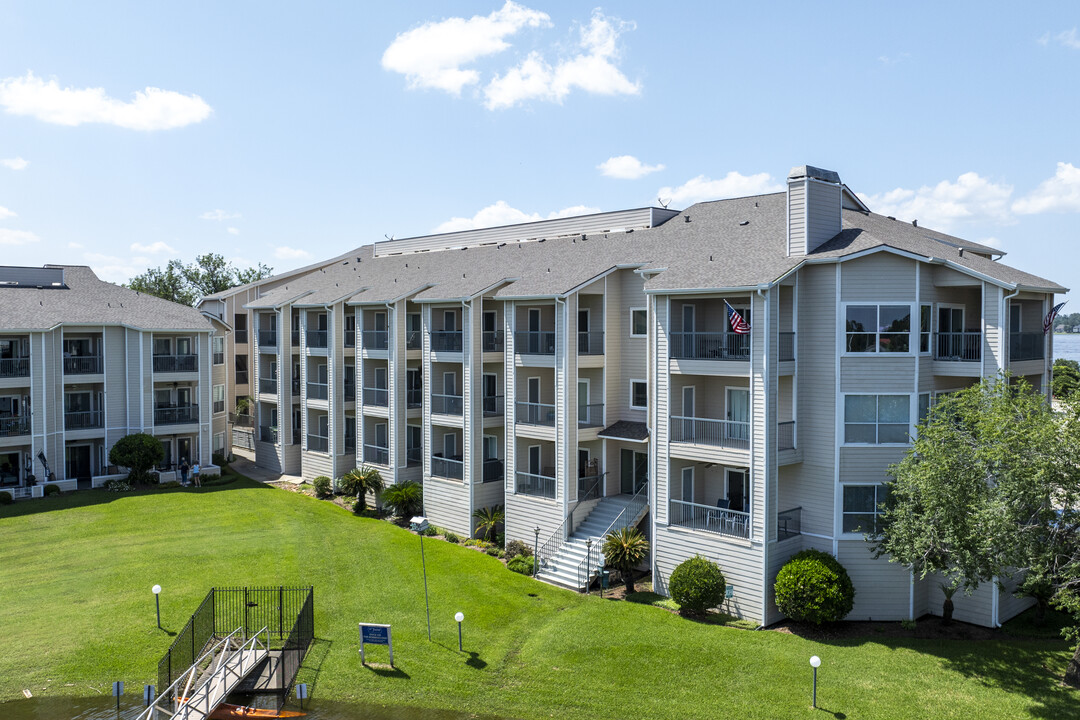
[(226, 711)]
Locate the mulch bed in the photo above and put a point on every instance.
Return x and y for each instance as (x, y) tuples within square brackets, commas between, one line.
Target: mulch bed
[(928, 627)]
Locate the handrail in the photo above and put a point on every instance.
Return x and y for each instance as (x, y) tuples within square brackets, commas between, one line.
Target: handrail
[(555, 542), (595, 554)]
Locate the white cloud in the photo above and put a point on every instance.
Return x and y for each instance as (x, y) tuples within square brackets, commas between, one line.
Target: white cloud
[(626, 167), (431, 55), (156, 248), (890, 60), (17, 237), (219, 215), (593, 70), (287, 253), (75, 246), (970, 198), (116, 269), (1060, 193), (5, 213), (150, 109), (16, 163), (734, 184), (234, 231), (1066, 38), (502, 214), (992, 242)]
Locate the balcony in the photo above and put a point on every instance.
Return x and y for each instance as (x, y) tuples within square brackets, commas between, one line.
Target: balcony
[(786, 350), (492, 342), (350, 392), (715, 519), (414, 398), (710, 346), (316, 338), (375, 339), (350, 338), (181, 415), (446, 341), (785, 435), (413, 340), (14, 367), (12, 426), (530, 342), (318, 391), (413, 456), (960, 346), (535, 485), (705, 431), (447, 468), (788, 523), (294, 337), (447, 404), (85, 420), (174, 363), (494, 405), (1027, 346), (268, 386), (535, 414), (296, 387), (296, 436), (241, 420), (379, 397), (91, 365), (268, 338), (350, 443), (590, 343), (493, 470), (268, 434), (590, 487), (591, 415), (318, 443), (376, 454), (241, 377)]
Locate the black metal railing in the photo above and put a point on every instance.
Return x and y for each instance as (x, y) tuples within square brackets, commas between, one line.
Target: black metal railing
[(494, 405), (268, 386), (241, 337), (531, 342), (376, 454), (176, 363), (84, 420), (379, 397), (591, 415), (350, 391), (414, 340), (964, 346), (414, 398), (535, 485), (447, 468), (493, 470), (535, 414), (492, 341), (11, 426), (788, 523), (268, 434), (268, 338), (590, 343), (590, 487), (294, 338), (787, 346), (297, 643), (241, 377), (414, 456), (89, 365), (350, 443), (318, 391), (316, 338), (189, 643), (318, 443), (445, 341), (350, 338), (376, 339), (1027, 346), (179, 415), (785, 435), (241, 420), (14, 367), (297, 436), (296, 386), (447, 404), (710, 346)]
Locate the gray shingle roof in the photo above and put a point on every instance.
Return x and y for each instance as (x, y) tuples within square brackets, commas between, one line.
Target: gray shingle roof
[(90, 301)]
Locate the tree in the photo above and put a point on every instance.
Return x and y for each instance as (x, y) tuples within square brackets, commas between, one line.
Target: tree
[(991, 488), (697, 584), (1066, 378), (488, 519), (185, 284), (625, 549), (406, 499), (814, 587), (137, 452)]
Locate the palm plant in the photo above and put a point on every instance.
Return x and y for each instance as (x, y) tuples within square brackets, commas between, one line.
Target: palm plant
[(362, 480), (625, 549), (405, 499), (947, 606), (487, 519)]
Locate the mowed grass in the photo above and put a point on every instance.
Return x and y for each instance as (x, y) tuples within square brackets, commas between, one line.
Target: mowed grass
[(76, 573)]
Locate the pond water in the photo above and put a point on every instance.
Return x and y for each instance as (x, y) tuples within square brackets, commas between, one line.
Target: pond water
[(1067, 347)]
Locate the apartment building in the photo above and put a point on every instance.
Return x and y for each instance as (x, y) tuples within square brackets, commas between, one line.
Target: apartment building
[(586, 373), (83, 363)]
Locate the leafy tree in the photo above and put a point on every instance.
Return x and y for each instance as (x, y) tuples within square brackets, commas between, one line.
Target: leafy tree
[(1066, 378), (169, 282), (991, 488), (625, 549), (814, 587), (185, 284), (137, 452), (697, 584), (488, 519), (406, 499)]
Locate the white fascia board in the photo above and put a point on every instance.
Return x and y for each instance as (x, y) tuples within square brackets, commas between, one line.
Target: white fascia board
[(858, 201), (331, 302), (214, 319), (593, 279), (398, 298), (291, 300), (704, 291)]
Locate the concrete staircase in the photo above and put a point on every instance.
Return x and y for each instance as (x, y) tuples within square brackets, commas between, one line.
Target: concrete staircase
[(562, 568)]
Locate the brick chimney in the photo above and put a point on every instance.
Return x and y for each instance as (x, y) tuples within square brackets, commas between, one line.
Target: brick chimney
[(814, 203)]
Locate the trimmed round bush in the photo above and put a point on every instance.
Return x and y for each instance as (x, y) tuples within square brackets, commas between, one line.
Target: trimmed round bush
[(321, 485), (697, 585), (6, 498), (521, 564), (813, 587), (51, 489)]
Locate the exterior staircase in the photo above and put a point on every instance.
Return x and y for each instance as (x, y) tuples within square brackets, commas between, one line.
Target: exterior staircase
[(564, 567)]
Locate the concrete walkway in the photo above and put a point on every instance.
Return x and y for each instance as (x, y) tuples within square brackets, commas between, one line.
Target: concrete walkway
[(244, 463)]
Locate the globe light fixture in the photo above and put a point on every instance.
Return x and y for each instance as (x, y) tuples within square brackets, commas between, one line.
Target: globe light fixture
[(460, 617)]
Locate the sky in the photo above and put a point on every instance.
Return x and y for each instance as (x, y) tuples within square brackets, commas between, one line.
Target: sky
[(285, 133)]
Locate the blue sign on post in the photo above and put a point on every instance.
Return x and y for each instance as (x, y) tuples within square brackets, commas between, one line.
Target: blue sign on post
[(729, 592), (375, 634)]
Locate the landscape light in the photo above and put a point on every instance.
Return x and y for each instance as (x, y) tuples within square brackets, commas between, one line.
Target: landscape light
[(459, 617), (157, 602), (815, 662)]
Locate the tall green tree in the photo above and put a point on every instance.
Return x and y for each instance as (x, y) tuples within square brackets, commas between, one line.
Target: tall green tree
[(991, 488), (1066, 377), (185, 284)]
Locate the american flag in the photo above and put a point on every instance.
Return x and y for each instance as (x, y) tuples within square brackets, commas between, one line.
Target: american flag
[(1049, 321), (738, 325)]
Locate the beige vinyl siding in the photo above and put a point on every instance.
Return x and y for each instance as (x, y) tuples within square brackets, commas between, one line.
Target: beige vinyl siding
[(976, 607), (882, 588), (994, 342), (525, 513), (796, 218), (1009, 606), (487, 494), (660, 470), (511, 397), (615, 398), (316, 464), (446, 504), (823, 213), (762, 422), (868, 465), (877, 278), (877, 374), (779, 554), (635, 350)]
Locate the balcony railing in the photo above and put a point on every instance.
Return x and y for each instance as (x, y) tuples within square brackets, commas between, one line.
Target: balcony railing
[(709, 518), (788, 523), (376, 454), (535, 485), (350, 392), (377, 396), (297, 435), (84, 420), (1026, 346), (414, 398), (241, 420), (268, 386), (447, 468), (493, 470), (375, 339), (494, 405), (413, 456), (705, 431), (787, 346), (350, 338), (318, 443), (590, 343), (530, 342), (241, 377), (591, 415), (294, 338), (350, 443), (785, 435), (447, 404), (316, 338), (963, 346), (535, 414), (590, 487), (710, 346), (414, 340), (14, 367), (318, 391), (268, 434), (91, 364), (171, 363), (17, 425), (268, 338), (181, 415), (446, 341), (493, 341), (296, 388)]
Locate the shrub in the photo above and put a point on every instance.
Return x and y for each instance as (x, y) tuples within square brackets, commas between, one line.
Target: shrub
[(625, 549), (6, 498), (430, 531), (476, 542), (697, 585), (814, 587), (118, 485), (451, 537), (169, 485), (493, 551), (51, 489), (321, 486), (521, 564), (137, 452), (488, 519), (406, 499), (516, 548), (220, 460)]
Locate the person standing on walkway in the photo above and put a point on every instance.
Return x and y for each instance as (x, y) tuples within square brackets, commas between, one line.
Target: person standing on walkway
[(195, 474), (183, 472)]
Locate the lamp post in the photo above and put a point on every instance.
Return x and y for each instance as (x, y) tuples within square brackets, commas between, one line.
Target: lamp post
[(157, 602), (815, 662), (420, 524), (536, 551), (459, 617), (588, 564)]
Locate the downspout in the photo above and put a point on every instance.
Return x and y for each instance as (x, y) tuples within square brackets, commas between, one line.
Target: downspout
[(765, 498), (392, 354), (1003, 318)]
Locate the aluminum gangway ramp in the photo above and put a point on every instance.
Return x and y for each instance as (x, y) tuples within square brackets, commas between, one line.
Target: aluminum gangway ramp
[(207, 683)]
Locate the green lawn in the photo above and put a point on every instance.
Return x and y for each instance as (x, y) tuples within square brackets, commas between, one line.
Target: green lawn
[(78, 613)]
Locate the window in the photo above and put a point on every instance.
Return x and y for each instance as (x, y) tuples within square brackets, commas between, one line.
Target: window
[(639, 395), (219, 398), (862, 507), (878, 328), (639, 322), (924, 328), (240, 326), (218, 344), (876, 419), (219, 443)]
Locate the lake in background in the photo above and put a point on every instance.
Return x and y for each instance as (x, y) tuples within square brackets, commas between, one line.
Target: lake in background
[(1067, 347)]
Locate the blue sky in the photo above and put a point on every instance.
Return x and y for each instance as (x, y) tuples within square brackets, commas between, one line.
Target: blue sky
[(131, 133)]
